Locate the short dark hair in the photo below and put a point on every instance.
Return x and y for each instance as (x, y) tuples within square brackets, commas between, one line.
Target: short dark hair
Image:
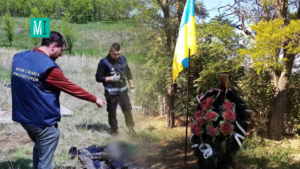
[(115, 46), (54, 37)]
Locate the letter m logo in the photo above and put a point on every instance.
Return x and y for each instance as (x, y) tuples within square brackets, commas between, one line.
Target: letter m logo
[(39, 27)]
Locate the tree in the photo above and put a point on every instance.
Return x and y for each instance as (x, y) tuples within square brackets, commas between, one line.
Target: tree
[(68, 32), (98, 6), (9, 27), (81, 11), (161, 19), (275, 44)]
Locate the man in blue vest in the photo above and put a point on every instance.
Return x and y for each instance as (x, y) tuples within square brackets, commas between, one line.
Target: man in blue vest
[(113, 71), (36, 84)]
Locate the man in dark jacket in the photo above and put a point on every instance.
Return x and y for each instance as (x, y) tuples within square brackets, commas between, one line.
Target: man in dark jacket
[(113, 71), (36, 84)]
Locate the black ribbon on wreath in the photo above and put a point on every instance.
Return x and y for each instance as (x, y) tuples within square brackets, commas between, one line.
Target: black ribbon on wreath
[(219, 128)]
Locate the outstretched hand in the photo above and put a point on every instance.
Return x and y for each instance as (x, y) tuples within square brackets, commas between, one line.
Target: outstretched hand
[(100, 102)]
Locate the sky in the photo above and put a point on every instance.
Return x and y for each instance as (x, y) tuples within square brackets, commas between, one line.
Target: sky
[(213, 5)]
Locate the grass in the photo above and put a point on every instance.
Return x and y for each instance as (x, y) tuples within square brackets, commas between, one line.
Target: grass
[(262, 153), (4, 75), (93, 39), (88, 126)]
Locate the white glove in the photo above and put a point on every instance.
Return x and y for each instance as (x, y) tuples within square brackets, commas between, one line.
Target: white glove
[(115, 78)]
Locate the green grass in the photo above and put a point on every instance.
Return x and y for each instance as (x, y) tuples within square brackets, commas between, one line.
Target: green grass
[(259, 153), (5, 75), (93, 39)]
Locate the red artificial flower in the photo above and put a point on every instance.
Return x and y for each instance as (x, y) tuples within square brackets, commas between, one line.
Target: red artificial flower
[(201, 120), (193, 126), (206, 104), (226, 128), (198, 114), (210, 116), (198, 130), (229, 115), (209, 101), (212, 131), (228, 106)]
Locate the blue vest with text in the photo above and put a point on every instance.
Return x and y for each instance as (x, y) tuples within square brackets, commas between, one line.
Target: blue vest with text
[(34, 102)]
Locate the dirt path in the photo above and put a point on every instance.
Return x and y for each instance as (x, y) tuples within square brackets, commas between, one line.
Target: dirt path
[(166, 154)]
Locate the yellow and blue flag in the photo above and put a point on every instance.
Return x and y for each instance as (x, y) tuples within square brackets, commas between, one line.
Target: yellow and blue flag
[(186, 39)]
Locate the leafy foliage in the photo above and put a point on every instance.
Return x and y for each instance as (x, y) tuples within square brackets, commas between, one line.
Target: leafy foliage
[(258, 93), (8, 27), (293, 106), (265, 49), (217, 44), (68, 32), (82, 11)]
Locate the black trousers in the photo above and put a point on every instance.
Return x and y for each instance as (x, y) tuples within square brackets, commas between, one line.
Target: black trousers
[(123, 100)]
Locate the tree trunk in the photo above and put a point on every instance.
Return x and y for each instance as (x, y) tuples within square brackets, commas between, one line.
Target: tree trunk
[(276, 123), (277, 113), (170, 119), (164, 5)]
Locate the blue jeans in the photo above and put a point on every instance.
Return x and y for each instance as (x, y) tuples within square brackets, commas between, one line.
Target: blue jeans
[(45, 139)]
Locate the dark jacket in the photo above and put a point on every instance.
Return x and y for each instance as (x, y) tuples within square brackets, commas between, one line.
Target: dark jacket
[(108, 67)]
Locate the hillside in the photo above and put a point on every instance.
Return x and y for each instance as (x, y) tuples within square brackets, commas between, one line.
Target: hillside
[(92, 39), (156, 146)]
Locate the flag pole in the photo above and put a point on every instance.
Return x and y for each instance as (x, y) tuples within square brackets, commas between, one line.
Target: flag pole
[(187, 106)]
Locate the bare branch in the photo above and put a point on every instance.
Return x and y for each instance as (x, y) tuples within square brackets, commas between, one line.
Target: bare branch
[(257, 3), (231, 13), (242, 14), (239, 27), (274, 15), (231, 6)]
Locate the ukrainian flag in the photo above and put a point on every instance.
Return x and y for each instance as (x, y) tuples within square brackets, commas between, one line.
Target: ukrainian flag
[(186, 39)]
